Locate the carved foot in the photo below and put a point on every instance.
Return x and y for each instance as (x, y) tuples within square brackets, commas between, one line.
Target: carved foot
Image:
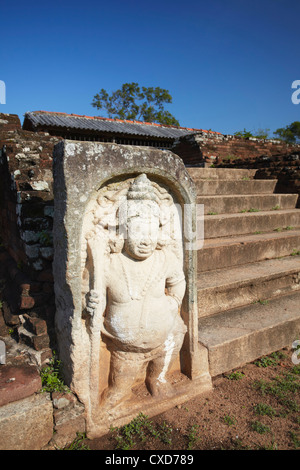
[(159, 389), (110, 399)]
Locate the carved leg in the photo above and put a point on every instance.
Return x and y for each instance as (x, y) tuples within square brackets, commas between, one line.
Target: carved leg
[(122, 376), (157, 368)]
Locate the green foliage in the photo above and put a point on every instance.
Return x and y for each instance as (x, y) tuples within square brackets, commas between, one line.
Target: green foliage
[(265, 362), (260, 427), (193, 436), (261, 302), (46, 238), (263, 409), (245, 134), (229, 420), (235, 375), (290, 133), (282, 388), (135, 103), (295, 252), (295, 439), (262, 133), (51, 376), (140, 428), (259, 134), (78, 443), (271, 360)]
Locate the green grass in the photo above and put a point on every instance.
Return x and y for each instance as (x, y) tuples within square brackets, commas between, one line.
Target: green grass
[(295, 437), (235, 375), (283, 388), (193, 436), (260, 427), (271, 360), (229, 420), (263, 409), (280, 229), (295, 253), (139, 430), (261, 302), (249, 210), (265, 362), (78, 443)]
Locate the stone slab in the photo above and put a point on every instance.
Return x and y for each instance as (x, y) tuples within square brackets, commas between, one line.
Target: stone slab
[(26, 424), (241, 335), (241, 285), (218, 186), (224, 225), (229, 204), (221, 173), (239, 250), (18, 382), (184, 390)]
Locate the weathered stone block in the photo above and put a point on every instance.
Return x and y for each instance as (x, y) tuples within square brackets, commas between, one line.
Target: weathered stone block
[(17, 382), (26, 424), (67, 423)]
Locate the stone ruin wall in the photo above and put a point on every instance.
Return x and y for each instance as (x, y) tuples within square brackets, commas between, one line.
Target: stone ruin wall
[(26, 208), (26, 221), (272, 158)]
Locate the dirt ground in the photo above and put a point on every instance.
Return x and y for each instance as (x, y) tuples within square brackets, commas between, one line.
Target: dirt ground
[(255, 407)]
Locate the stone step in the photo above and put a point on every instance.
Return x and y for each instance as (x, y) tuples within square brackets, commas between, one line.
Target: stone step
[(229, 204), (239, 336), (218, 253), (220, 187), (225, 225), (225, 289), (221, 173)]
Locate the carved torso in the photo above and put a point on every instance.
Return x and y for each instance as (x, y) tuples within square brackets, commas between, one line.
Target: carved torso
[(138, 311)]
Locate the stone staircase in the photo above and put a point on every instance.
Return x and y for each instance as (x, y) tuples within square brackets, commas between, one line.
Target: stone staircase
[(248, 267)]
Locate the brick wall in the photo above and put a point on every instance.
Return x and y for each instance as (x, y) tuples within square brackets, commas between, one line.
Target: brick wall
[(209, 148), (285, 168), (272, 158), (26, 209)]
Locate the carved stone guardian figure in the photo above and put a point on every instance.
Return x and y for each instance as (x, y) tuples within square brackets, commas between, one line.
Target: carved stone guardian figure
[(142, 287), (125, 281)]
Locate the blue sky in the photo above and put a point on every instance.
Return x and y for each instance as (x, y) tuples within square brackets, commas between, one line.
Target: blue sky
[(228, 64)]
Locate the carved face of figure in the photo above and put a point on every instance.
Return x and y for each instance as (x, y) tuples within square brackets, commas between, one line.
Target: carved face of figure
[(142, 229)]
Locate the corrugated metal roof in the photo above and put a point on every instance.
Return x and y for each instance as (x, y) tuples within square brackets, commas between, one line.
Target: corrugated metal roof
[(43, 119)]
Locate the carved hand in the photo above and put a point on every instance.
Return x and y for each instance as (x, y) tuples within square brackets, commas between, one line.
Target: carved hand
[(92, 302)]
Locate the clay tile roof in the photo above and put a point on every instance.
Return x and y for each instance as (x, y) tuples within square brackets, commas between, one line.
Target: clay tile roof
[(43, 119)]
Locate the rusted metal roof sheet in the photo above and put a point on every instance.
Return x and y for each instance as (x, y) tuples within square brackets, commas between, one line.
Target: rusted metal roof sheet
[(41, 120)]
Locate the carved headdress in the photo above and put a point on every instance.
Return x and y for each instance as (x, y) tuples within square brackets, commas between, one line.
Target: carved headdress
[(142, 198)]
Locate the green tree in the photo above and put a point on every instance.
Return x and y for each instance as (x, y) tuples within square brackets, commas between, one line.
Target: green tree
[(245, 134), (135, 103), (290, 134), (259, 134)]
